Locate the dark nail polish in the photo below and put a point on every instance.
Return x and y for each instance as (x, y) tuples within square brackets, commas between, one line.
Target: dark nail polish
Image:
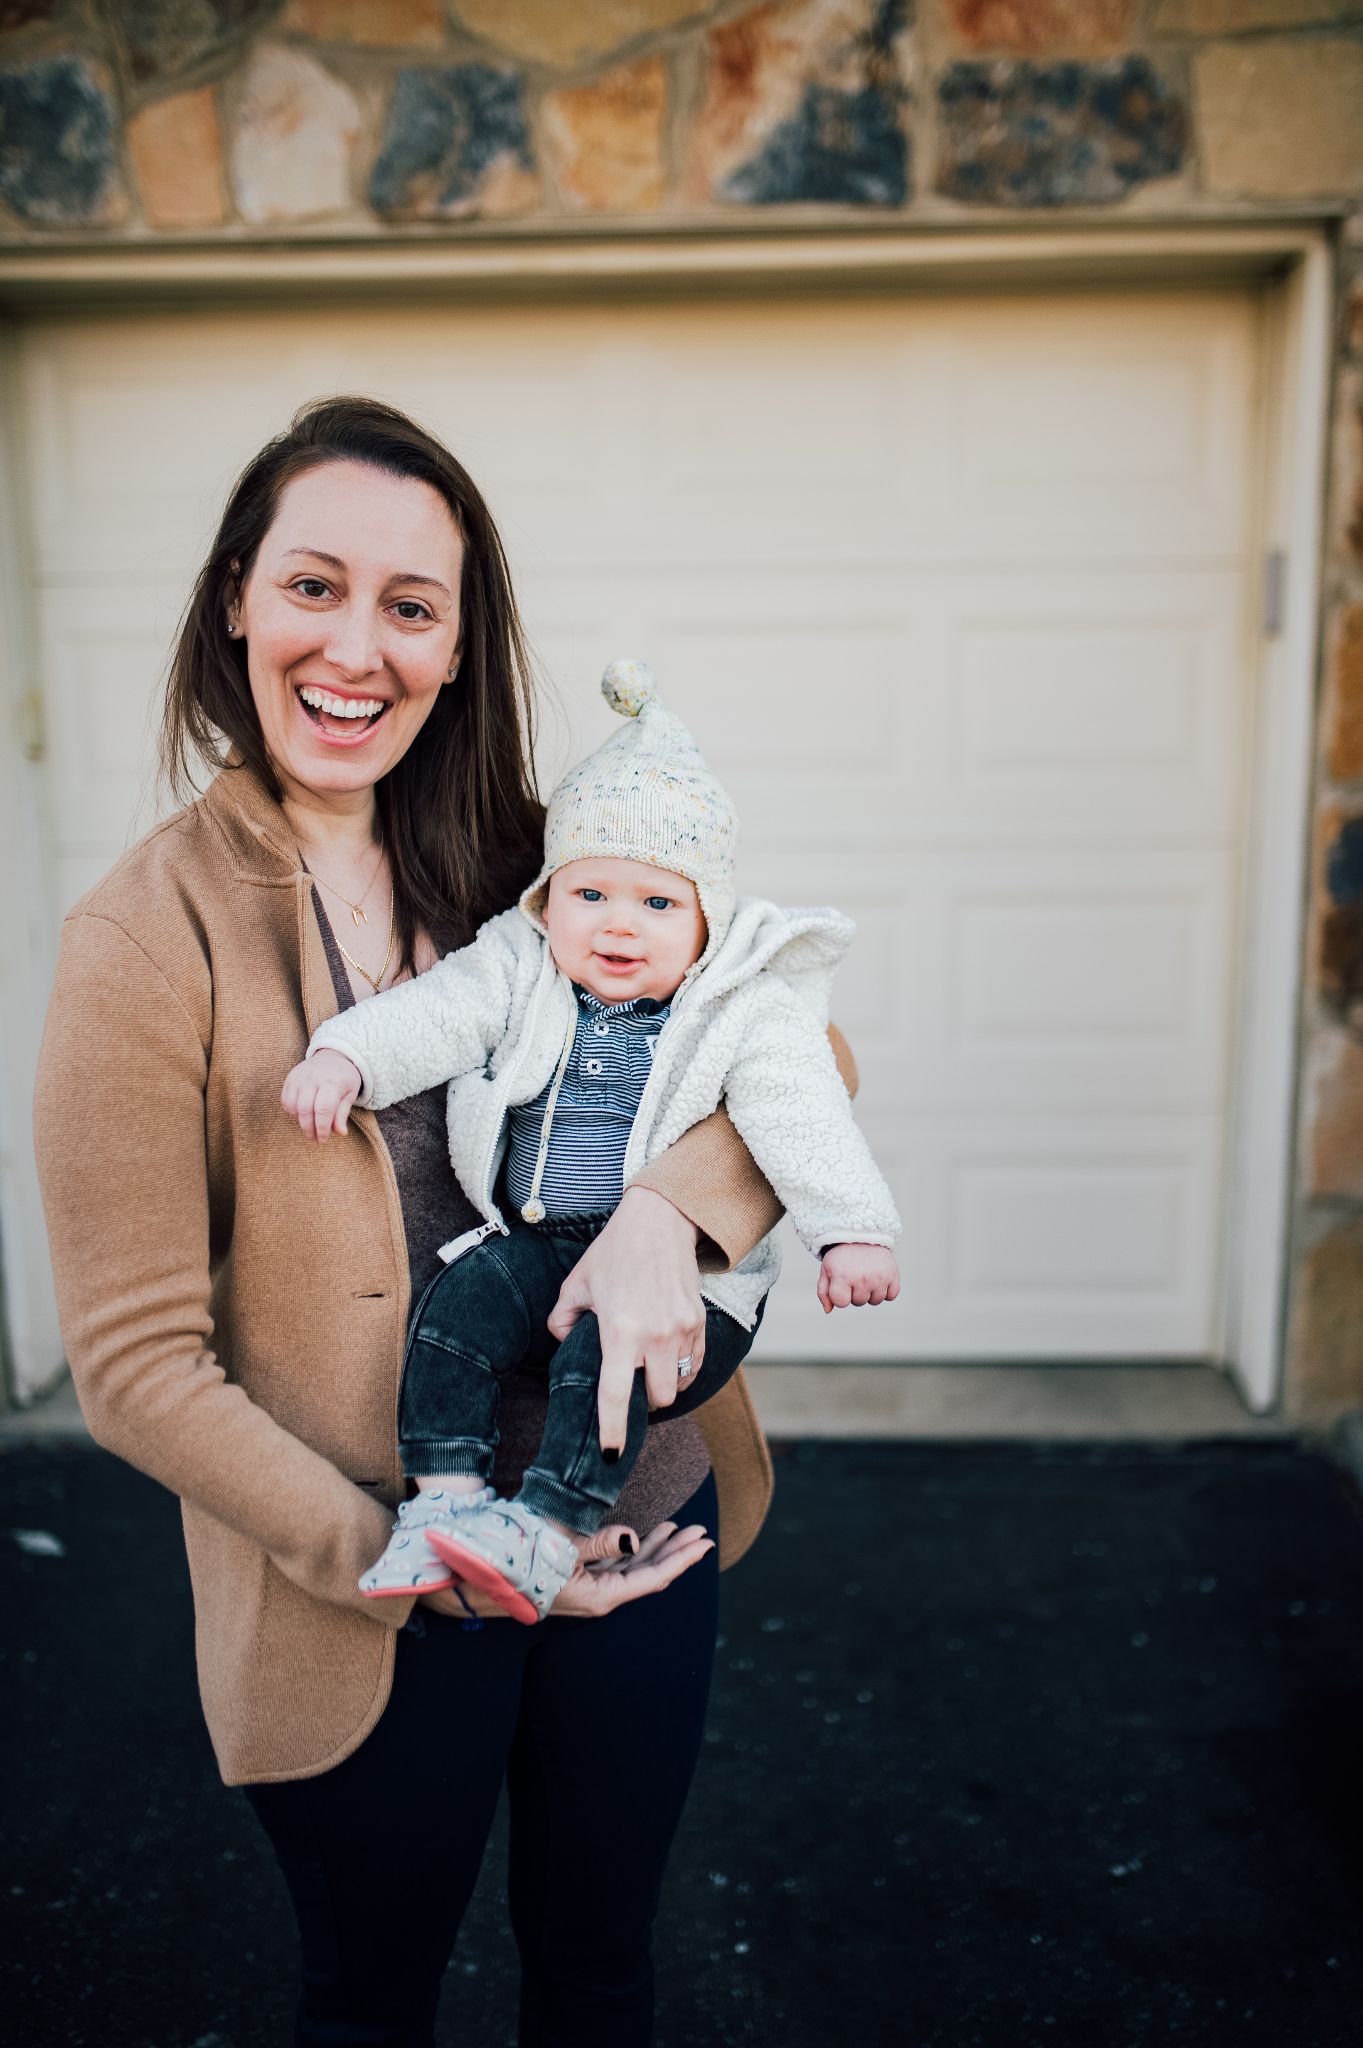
[(627, 1546), (611, 1457)]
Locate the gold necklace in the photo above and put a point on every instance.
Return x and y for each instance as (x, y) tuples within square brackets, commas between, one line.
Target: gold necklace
[(357, 910), (375, 980)]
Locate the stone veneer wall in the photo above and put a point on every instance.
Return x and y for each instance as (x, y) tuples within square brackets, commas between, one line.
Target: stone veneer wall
[(129, 121)]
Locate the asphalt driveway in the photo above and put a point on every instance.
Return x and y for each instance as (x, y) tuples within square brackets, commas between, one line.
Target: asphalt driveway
[(1010, 1743)]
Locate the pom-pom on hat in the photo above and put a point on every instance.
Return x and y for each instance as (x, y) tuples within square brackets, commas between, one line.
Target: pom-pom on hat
[(645, 794)]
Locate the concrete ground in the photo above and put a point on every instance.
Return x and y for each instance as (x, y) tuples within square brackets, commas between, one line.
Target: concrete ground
[(1010, 1743)]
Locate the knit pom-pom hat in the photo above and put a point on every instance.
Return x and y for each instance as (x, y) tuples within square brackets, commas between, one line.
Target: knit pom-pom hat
[(645, 794)]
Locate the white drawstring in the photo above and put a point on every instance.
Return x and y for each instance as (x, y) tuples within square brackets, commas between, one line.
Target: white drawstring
[(533, 1210)]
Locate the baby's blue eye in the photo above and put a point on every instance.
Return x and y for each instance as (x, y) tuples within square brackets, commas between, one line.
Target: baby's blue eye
[(592, 896), (658, 902)]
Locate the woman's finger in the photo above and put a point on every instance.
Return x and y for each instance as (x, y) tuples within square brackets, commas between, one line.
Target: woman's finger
[(675, 1540), (614, 1385), (611, 1545), (648, 1548), (693, 1346), (660, 1370), (573, 1301), (589, 1594)]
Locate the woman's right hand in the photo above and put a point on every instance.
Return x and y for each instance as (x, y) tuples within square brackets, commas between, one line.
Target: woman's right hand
[(319, 1091), (614, 1568)]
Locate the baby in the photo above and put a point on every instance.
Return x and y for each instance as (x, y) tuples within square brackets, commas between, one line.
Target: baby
[(582, 1033)]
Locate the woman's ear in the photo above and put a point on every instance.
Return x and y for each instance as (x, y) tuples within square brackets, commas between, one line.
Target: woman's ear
[(455, 659)]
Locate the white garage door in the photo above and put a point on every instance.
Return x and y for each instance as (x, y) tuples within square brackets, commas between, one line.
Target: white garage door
[(955, 593)]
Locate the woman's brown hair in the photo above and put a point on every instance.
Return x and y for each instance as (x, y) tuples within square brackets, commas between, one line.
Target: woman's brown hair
[(459, 816)]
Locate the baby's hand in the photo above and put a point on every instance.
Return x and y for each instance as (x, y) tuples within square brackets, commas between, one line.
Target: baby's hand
[(855, 1275), (319, 1092)]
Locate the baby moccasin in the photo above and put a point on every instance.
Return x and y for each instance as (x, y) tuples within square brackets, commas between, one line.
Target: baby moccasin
[(511, 1554), (409, 1565)]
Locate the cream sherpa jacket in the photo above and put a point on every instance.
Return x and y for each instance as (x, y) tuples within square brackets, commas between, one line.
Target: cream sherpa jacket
[(748, 1029)]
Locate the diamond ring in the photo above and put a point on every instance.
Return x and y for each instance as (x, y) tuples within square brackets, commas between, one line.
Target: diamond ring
[(684, 1367)]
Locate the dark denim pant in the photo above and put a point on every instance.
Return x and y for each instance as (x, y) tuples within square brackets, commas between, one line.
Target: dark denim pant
[(486, 1316), (594, 1727)]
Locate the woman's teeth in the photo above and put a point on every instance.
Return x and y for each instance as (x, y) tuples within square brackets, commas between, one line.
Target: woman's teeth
[(342, 707)]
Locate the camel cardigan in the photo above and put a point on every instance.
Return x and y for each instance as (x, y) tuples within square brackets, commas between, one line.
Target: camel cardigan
[(234, 1300)]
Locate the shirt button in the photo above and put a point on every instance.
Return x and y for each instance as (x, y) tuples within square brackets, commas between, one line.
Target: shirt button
[(601, 1030)]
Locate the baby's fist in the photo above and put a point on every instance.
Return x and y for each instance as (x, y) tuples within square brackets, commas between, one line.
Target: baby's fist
[(319, 1092), (857, 1276)]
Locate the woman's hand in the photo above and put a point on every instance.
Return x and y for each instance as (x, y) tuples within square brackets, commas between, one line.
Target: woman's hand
[(319, 1091), (614, 1567), (639, 1279)]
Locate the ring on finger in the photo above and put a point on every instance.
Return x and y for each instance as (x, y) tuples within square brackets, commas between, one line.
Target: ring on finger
[(685, 1367)]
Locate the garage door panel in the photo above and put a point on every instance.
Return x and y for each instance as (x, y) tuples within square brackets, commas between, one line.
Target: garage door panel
[(103, 654), (139, 429), (961, 707), (1031, 1241), (1056, 989)]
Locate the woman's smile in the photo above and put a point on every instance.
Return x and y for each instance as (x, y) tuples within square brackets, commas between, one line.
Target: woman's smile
[(343, 720)]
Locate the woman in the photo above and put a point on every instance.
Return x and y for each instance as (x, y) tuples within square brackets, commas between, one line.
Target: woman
[(234, 1300)]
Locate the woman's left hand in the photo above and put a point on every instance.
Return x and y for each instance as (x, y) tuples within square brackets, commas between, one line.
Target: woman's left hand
[(605, 1580), (639, 1279), (614, 1567)]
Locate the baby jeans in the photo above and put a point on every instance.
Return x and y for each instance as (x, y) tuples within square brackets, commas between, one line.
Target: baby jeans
[(486, 1316)]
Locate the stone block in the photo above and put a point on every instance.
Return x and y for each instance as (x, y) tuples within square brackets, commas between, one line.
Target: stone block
[(1343, 720), (1325, 1354), (165, 37), (1229, 17), (804, 102), (1279, 119), (293, 141), (373, 24), (604, 142), (1334, 1116), (1067, 134), (565, 34), (59, 144), (1336, 950), (456, 142), (1093, 27), (176, 150)]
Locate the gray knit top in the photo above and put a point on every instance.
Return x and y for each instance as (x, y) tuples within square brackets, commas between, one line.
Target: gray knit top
[(435, 1208)]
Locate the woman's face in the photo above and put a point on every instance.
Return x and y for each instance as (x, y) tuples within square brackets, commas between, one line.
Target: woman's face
[(350, 613)]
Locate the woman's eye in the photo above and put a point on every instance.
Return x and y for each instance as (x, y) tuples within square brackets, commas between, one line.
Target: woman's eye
[(311, 586), (658, 902), (410, 610)]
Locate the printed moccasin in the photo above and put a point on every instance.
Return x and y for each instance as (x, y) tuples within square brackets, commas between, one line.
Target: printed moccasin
[(511, 1554), (409, 1565)]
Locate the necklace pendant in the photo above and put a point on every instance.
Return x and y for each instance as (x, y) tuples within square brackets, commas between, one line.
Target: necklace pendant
[(357, 916)]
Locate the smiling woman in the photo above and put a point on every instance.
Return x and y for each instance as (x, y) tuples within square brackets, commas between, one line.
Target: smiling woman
[(235, 1308)]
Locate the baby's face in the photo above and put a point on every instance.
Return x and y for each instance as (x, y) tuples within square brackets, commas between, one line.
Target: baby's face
[(623, 929)]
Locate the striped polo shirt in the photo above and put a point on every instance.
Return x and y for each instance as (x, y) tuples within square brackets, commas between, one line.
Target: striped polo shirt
[(607, 1071)]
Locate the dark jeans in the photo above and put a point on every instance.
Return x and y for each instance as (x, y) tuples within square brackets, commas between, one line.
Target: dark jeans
[(595, 1727), (486, 1316)]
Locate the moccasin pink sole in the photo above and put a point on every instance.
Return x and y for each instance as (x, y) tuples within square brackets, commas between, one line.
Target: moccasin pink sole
[(476, 1571)]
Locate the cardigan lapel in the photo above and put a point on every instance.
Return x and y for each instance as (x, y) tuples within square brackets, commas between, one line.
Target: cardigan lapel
[(263, 851)]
